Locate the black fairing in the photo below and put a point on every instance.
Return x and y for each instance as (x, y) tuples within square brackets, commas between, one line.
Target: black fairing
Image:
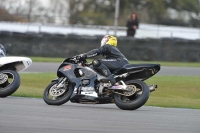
[(139, 71), (70, 71), (83, 98)]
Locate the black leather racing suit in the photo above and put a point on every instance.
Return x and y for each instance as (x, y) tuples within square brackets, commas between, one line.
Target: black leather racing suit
[(114, 59)]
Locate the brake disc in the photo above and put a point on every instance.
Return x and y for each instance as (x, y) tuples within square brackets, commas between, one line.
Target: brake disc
[(131, 89), (3, 78), (54, 91)]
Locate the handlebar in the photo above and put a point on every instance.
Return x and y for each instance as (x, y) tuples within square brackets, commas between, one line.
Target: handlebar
[(77, 61)]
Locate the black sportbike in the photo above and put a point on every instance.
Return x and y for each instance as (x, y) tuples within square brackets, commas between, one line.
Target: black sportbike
[(78, 82)]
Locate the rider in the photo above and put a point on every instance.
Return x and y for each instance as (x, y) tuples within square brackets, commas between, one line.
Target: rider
[(114, 59)]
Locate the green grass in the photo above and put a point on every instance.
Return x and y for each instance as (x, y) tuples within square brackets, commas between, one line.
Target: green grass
[(33, 84), (173, 91), (182, 64)]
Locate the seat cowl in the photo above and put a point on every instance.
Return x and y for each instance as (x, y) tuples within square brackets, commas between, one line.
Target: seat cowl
[(134, 68)]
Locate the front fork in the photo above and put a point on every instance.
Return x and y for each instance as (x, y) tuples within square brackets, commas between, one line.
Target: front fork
[(60, 82)]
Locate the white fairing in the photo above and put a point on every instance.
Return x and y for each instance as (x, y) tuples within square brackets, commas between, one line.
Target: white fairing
[(21, 63)]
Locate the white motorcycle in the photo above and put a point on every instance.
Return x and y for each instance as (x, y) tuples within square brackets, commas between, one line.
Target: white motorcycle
[(9, 68)]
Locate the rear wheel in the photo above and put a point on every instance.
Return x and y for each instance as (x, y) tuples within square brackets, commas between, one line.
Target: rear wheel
[(9, 82), (137, 99), (57, 93)]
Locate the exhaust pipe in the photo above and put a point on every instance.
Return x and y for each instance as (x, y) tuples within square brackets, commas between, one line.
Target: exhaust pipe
[(152, 87)]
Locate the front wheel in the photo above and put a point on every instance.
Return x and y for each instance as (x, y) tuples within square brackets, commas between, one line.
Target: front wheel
[(135, 101), (9, 82), (58, 93)]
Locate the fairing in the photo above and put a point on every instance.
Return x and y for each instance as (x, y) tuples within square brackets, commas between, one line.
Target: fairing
[(72, 73), (20, 63)]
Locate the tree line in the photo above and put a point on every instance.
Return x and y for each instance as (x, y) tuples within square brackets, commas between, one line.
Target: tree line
[(101, 12)]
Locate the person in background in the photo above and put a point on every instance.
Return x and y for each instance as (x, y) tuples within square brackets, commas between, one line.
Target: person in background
[(132, 25)]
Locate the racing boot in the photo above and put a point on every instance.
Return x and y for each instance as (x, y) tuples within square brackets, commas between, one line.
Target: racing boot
[(111, 79)]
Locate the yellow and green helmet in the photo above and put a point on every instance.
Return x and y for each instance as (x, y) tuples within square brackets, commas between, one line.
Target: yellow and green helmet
[(110, 40)]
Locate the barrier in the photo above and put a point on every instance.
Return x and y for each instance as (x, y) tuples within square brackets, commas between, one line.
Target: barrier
[(56, 45)]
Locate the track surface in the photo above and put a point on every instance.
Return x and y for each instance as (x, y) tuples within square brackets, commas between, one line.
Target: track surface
[(174, 71), (27, 115)]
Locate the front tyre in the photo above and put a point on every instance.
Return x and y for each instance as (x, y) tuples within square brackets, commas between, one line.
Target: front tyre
[(54, 95), (135, 101), (9, 82)]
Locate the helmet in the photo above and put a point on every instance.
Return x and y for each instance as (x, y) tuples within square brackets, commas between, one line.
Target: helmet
[(110, 40), (2, 51)]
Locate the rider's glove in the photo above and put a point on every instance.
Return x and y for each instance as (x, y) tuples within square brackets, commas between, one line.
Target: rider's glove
[(81, 57)]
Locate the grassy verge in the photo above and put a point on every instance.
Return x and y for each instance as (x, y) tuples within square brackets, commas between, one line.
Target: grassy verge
[(173, 91), (33, 84), (182, 64)]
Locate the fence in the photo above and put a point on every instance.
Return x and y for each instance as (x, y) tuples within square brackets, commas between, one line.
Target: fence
[(144, 31), (47, 45)]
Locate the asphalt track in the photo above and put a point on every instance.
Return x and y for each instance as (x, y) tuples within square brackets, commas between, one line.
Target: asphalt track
[(165, 71), (28, 115)]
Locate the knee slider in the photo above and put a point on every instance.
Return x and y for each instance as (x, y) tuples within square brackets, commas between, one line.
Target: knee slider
[(96, 63)]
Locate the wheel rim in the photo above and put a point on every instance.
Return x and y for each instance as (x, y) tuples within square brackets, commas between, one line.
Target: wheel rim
[(135, 96), (6, 78), (55, 93)]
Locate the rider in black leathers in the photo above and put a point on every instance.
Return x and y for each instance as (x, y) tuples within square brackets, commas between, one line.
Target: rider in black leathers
[(114, 59)]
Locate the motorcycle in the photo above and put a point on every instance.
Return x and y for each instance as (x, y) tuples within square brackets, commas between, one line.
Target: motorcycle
[(9, 68), (78, 82)]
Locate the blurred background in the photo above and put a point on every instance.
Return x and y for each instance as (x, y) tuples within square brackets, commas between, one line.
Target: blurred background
[(101, 12), (158, 19)]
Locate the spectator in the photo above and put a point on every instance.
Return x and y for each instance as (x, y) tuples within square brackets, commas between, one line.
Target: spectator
[(132, 25)]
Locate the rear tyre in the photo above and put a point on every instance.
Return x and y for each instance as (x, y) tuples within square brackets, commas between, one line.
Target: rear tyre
[(135, 101), (54, 96), (9, 82)]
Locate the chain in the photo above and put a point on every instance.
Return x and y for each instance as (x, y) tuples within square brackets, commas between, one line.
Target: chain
[(128, 93)]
